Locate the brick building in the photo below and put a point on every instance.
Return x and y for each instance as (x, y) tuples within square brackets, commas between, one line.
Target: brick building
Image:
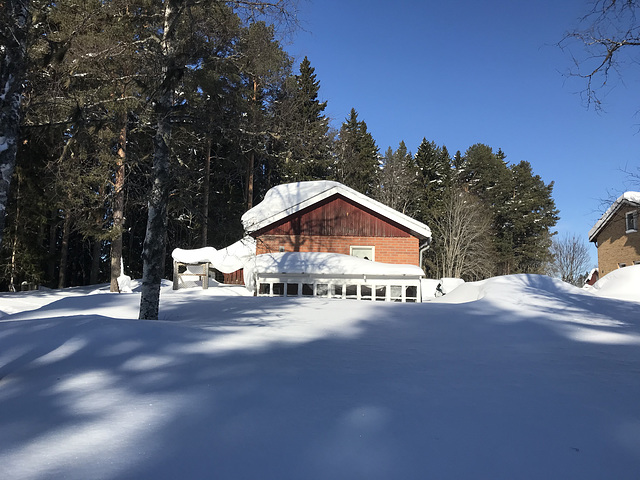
[(616, 234), (324, 216)]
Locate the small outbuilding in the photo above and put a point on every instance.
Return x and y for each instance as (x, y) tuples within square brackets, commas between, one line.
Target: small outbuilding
[(616, 234), (326, 216), (319, 239)]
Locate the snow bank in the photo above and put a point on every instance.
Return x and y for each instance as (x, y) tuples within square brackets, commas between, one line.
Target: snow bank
[(623, 284), (321, 263), (541, 382), (226, 260), (509, 288)]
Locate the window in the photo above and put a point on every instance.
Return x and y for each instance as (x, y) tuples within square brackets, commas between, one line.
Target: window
[(322, 290), (622, 265), (307, 289), (632, 222), (366, 252), (278, 288), (365, 292), (265, 289), (411, 293), (396, 293), (292, 289)]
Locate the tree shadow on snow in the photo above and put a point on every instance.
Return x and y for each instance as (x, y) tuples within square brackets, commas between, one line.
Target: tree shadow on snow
[(405, 391)]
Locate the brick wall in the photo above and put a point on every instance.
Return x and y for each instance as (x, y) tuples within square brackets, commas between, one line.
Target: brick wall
[(397, 250), (615, 246)]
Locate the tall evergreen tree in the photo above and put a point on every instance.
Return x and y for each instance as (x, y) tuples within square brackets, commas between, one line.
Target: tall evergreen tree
[(304, 141), (356, 156), (533, 213), (398, 180), (14, 26), (264, 65), (520, 205), (173, 63), (434, 174)]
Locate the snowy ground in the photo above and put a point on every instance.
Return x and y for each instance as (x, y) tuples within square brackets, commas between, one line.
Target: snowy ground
[(518, 377)]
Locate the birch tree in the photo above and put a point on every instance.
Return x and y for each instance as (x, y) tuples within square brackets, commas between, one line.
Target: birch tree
[(462, 237)]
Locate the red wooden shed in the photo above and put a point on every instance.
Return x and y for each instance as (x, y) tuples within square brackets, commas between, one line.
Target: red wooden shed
[(325, 216)]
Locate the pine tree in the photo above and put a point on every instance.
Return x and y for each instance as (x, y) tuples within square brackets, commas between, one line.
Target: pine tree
[(14, 27), (173, 65), (264, 65)]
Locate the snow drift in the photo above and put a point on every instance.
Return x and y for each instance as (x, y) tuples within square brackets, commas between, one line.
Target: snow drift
[(623, 283), (537, 379)]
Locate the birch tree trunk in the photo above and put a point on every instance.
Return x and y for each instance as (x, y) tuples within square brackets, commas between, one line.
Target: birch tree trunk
[(14, 23), (154, 242)]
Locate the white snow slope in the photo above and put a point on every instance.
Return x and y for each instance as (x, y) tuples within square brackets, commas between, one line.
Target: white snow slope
[(534, 379)]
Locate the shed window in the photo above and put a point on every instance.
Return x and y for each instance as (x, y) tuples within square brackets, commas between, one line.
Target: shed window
[(352, 291), (632, 222), (365, 292), (278, 288), (322, 289), (366, 252)]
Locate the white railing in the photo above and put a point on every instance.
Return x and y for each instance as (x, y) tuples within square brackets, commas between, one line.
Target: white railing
[(403, 288)]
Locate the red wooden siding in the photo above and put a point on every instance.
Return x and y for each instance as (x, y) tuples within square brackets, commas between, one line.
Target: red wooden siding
[(335, 216)]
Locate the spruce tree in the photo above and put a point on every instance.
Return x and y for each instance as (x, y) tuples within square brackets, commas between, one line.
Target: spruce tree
[(398, 180), (304, 144), (356, 156), (533, 214), (435, 177)]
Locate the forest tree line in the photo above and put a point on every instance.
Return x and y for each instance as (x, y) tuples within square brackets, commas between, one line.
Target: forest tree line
[(243, 117)]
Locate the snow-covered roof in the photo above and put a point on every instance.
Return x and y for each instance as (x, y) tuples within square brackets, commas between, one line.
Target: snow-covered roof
[(226, 260), (632, 198), (319, 263), (289, 198)]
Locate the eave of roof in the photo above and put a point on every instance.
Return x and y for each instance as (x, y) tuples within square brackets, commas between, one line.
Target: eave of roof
[(627, 198), (417, 228)]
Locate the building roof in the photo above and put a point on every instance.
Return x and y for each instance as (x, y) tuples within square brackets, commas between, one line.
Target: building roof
[(287, 199), (324, 263), (628, 198)]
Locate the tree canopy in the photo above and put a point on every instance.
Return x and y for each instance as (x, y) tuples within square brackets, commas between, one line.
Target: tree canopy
[(149, 126)]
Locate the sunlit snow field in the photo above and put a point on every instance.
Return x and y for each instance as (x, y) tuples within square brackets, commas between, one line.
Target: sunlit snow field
[(517, 377)]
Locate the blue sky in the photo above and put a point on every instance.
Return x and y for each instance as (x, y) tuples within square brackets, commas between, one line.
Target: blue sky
[(466, 72)]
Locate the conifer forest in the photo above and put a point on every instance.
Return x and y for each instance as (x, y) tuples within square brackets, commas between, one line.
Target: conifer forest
[(147, 125)]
